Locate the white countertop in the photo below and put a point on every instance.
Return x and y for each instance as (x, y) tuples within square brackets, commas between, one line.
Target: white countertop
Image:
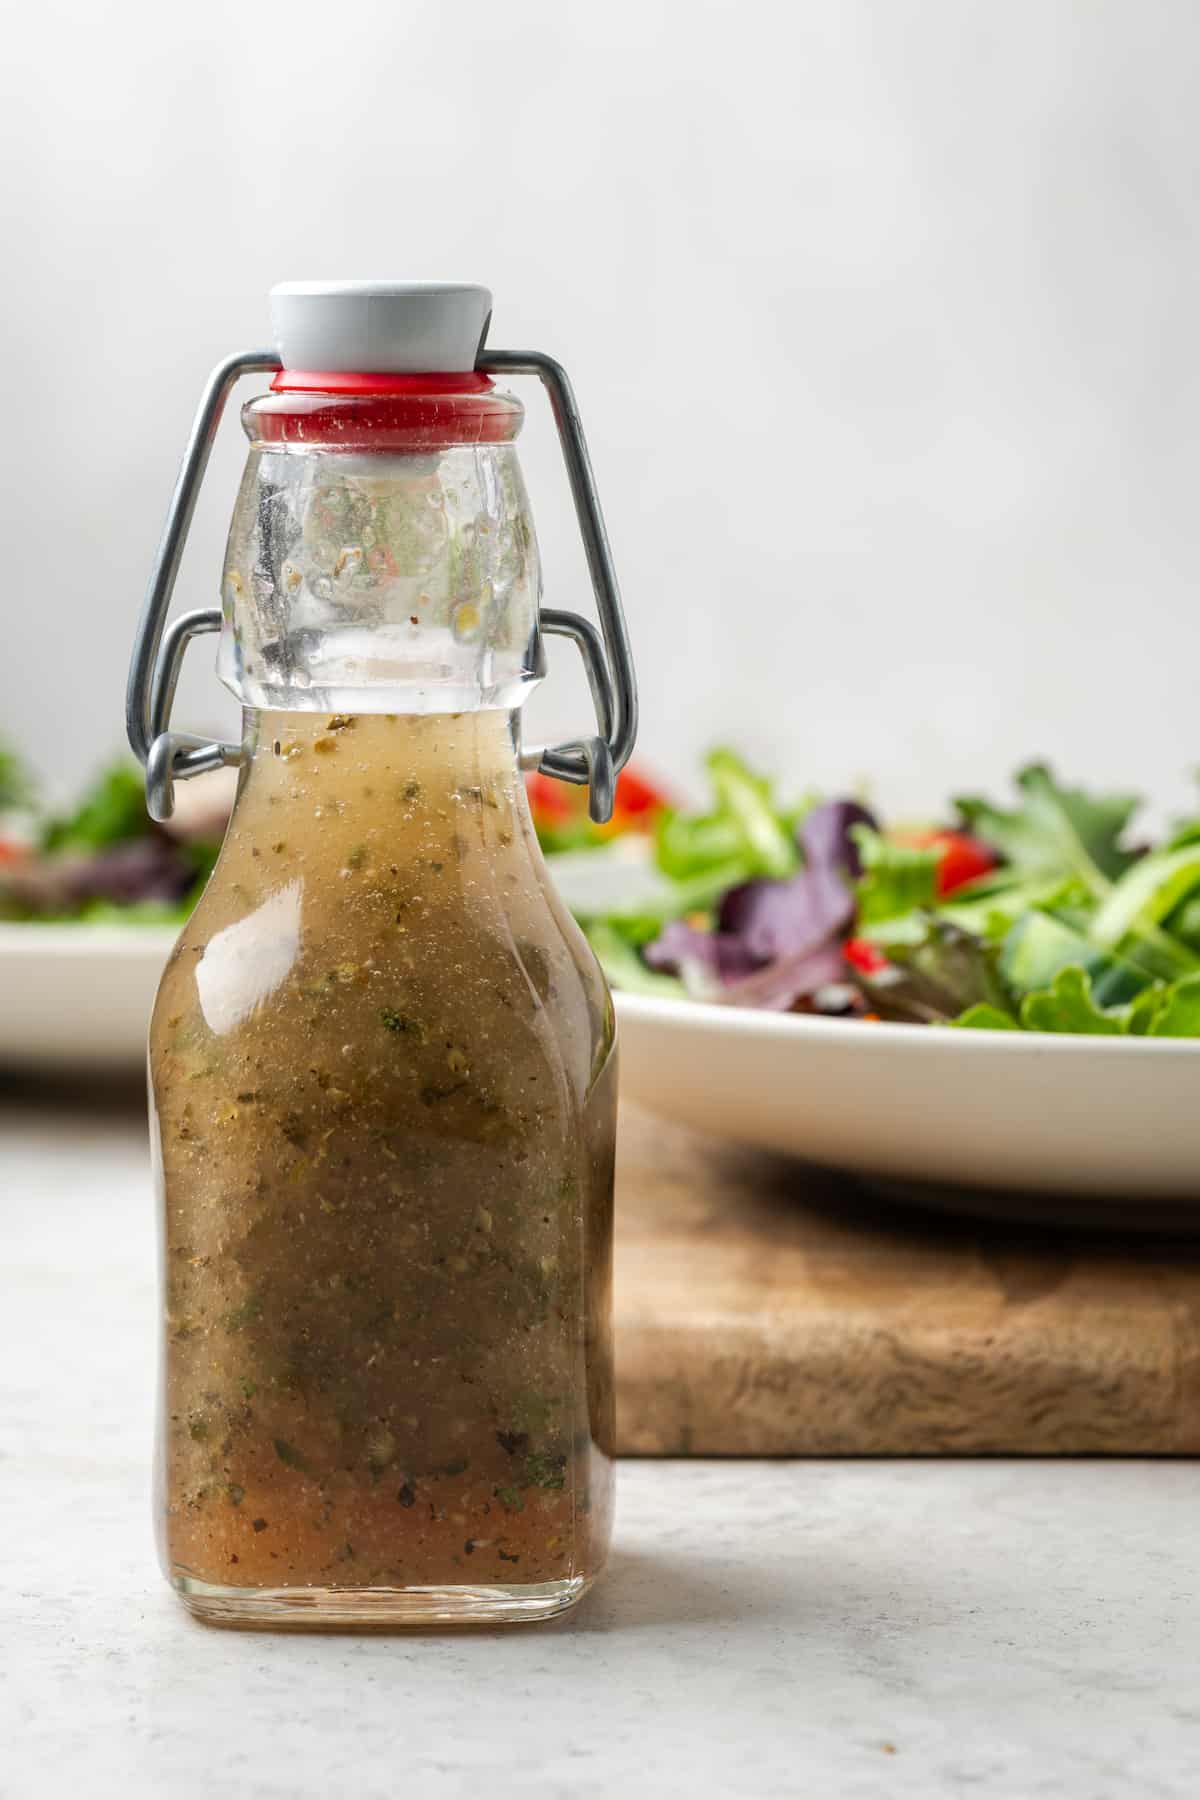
[(803, 1629)]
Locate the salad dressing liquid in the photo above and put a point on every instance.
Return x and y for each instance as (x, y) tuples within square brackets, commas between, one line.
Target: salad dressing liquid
[(383, 1073)]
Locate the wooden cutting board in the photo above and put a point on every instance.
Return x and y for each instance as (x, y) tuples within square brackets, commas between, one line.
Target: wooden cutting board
[(763, 1308)]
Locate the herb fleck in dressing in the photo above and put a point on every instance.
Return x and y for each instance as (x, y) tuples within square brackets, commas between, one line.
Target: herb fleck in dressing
[(382, 1065)]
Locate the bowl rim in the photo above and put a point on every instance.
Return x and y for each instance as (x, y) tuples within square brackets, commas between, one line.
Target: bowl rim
[(923, 1040)]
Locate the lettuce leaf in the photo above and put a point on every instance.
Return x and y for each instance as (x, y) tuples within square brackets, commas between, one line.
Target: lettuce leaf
[(1068, 1005), (1179, 1014), (992, 906), (1144, 1009), (112, 812), (1039, 947), (746, 826), (745, 799), (935, 978), (896, 878), (16, 784), (624, 967), (983, 1017), (1146, 894), (687, 844), (1056, 830), (1184, 923)]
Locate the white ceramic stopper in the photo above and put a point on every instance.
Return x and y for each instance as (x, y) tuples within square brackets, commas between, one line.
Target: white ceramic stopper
[(380, 327)]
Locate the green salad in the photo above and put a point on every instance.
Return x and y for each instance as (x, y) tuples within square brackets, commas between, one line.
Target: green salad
[(1046, 913), (1042, 914), (103, 860)]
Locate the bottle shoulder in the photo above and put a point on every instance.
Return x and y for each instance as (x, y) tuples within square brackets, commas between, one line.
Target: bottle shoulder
[(384, 961)]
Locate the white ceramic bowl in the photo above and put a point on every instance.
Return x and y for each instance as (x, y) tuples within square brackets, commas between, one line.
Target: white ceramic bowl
[(970, 1110), (78, 997), (913, 1103)]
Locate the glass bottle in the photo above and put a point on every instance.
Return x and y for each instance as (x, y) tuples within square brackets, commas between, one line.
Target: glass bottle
[(382, 1056)]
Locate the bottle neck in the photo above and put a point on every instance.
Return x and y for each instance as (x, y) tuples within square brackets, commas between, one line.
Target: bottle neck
[(399, 766), (385, 582), (377, 826)]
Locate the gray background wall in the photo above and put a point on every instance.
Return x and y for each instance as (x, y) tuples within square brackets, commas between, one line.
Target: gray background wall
[(882, 316)]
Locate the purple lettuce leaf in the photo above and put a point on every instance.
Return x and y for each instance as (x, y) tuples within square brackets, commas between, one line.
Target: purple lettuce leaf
[(788, 979), (150, 868), (825, 835), (776, 943), (787, 918), (682, 948)]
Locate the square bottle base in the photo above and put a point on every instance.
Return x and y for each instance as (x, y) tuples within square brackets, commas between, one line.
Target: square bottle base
[(379, 1609)]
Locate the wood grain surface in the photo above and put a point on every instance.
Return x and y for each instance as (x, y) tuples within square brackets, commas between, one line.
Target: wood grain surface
[(766, 1308)]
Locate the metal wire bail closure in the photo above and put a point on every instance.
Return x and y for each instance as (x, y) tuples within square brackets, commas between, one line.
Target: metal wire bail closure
[(154, 666), (157, 655)]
